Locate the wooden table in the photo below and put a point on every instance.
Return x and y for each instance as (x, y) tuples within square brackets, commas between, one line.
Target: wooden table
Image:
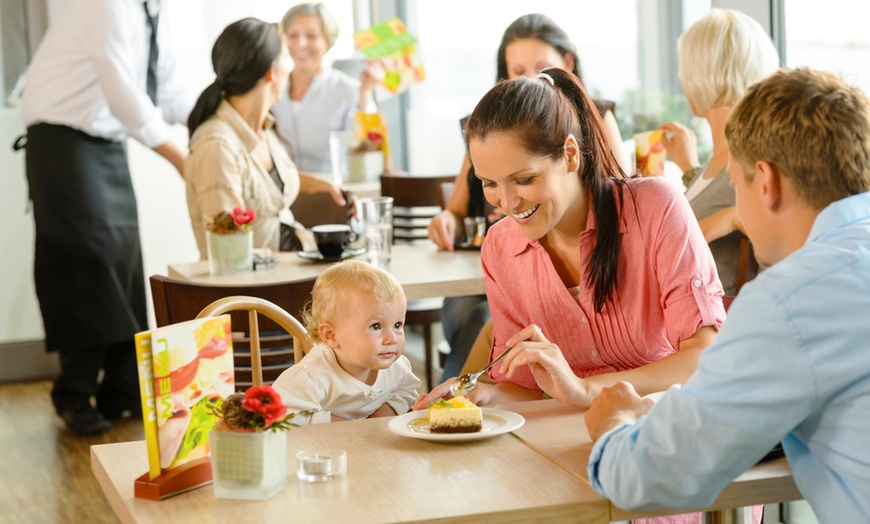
[(390, 478), (421, 269), (536, 473), (559, 432)]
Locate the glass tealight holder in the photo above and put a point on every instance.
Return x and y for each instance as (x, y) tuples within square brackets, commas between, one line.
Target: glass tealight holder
[(320, 465)]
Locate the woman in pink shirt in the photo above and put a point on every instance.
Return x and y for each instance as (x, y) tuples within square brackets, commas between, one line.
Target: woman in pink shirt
[(604, 278)]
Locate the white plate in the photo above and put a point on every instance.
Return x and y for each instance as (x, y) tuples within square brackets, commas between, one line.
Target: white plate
[(495, 422)]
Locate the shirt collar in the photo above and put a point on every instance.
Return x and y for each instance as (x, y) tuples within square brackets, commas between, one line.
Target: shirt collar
[(249, 138), (841, 213)]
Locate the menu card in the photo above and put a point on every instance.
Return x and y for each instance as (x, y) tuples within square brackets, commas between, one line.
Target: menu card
[(184, 370), (391, 42)]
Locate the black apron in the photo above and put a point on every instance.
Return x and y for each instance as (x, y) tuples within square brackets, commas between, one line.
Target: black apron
[(88, 265)]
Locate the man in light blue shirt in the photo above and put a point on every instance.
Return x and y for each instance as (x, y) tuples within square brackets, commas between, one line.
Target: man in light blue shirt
[(792, 362)]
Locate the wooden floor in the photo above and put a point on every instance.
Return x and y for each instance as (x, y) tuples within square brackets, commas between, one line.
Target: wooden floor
[(45, 472)]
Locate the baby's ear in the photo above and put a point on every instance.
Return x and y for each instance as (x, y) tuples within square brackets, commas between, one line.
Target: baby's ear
[(327, 335)]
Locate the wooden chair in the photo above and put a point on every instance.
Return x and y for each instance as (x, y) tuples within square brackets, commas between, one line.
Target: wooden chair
[(416, 199), (315, 209), (747, 269), (302, 342), (177, 300), (747, 266)]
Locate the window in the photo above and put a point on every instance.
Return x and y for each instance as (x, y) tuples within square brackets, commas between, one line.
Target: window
[(627, 54), (833, 38)]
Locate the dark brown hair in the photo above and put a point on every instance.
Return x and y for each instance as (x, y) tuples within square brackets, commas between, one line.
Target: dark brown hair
[(541, 116), (241, 55), (539, 27)]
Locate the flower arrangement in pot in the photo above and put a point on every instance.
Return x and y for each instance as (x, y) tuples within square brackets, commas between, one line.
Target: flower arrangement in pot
[(260, 408), (249, 444), (227, 223), (230, 241)]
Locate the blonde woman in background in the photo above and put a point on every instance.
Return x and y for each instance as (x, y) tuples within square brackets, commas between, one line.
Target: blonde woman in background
[(318, 99), (720, 56)]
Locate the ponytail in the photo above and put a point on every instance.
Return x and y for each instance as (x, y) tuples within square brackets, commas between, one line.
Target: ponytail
[(241, 55), (206, 106), (597, 174)]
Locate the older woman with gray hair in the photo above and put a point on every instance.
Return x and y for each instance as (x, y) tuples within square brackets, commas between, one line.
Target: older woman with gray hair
[(720, 56), (319, 99)]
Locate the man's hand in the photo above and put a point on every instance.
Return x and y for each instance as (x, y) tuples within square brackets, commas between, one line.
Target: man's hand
[(616, 406)]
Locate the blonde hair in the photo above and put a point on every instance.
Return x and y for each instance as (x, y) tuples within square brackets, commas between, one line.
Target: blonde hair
[(812, 126), (721, 55), (328, 24), (376, 283)]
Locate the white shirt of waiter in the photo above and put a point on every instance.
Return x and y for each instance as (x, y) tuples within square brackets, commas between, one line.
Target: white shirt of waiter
[(90, 72)]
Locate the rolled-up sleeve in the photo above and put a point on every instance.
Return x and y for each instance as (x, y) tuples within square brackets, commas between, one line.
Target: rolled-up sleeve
[(689, 285)]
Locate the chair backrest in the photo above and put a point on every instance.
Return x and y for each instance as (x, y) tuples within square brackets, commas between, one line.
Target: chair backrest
[(314, 209), (302, 342), (177, 300), (747, 265), (416, 199)]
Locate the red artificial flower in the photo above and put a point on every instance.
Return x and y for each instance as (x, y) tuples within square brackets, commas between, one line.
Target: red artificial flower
[(266, 401), (242, 217), (375, 137)]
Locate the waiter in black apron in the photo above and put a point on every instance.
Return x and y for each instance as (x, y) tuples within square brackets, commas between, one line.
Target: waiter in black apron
[(103, 71)]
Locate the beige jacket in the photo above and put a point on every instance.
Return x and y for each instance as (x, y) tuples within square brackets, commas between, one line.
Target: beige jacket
[(222, 173)]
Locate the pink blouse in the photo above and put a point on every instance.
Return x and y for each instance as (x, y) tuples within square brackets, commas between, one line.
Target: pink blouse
[(667, 287)]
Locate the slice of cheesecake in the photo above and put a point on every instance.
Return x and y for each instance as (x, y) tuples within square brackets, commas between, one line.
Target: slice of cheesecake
[(457, 415)]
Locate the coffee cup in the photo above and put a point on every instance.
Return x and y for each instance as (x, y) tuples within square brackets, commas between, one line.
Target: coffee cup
[(332, 239)]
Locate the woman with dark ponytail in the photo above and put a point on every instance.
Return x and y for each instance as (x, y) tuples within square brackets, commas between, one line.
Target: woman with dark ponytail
[(236, 158), (594, 278)]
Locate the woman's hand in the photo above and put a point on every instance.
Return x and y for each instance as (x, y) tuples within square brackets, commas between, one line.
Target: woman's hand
[(481, 394), (681, 144), (369, 79), (720, 224), (545, 360), (442, 229), (309, 184)]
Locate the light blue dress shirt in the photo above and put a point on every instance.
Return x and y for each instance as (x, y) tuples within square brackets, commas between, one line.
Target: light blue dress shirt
[(329, 104), (791, 363)]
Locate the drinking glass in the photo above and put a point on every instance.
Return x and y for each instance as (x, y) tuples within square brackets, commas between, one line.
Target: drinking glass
[(377, 218)]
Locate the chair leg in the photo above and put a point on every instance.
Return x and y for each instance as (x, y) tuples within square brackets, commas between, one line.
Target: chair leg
[(427, 345)]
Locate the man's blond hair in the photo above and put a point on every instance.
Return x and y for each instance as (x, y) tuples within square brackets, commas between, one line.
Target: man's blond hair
[(334, 283), (811, 126)]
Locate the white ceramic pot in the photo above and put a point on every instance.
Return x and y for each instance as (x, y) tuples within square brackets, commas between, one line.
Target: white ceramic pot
[(230, 252), (249, 466), (365, 166)]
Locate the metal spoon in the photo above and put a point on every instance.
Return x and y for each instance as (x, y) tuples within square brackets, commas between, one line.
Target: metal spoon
[(467, 381)]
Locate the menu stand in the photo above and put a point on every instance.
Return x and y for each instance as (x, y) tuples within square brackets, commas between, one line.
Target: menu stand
[(171, 482)]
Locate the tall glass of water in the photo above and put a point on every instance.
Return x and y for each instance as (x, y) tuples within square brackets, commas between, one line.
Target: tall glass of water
[(377, 217)]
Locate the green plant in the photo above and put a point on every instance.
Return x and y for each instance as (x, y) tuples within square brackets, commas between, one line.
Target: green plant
[(642, 111)]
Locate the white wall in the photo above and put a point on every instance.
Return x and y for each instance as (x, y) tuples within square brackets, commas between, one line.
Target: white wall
[(19, 314), (164, 223)]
